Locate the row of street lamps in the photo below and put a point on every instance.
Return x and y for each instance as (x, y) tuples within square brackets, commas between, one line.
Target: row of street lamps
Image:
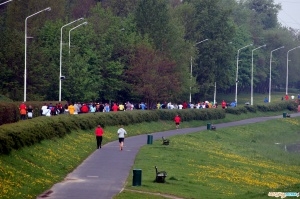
[(237, 70), (270, 78), (60, 62)]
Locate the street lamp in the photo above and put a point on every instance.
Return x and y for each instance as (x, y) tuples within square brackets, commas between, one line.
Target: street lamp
[(84, 23), (60, 55), (252, 72), (237, 70), (5, 2), (192, 69), (25, 59), (287, 69), (270, 79)]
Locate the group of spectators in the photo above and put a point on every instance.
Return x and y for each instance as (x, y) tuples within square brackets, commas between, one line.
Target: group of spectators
[(185, 105), (49, 109), (79, 108), (24, 110)]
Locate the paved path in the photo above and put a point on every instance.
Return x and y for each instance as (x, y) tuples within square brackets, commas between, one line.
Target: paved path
[(103, 174)]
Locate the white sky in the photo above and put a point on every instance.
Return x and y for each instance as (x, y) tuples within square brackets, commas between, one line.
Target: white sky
[(290, 14)]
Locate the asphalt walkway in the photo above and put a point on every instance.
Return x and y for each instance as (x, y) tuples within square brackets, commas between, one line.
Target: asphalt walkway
[(103, 174)]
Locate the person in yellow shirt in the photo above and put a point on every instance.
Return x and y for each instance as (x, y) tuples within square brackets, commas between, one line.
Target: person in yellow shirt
[(71, 109), (121, 107), (158, 105)]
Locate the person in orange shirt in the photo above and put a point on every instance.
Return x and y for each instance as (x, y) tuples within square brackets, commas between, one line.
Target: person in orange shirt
[(71, 109), (23, 110)]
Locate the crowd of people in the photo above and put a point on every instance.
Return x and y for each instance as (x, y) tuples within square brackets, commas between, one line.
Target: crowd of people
[(49, 109)]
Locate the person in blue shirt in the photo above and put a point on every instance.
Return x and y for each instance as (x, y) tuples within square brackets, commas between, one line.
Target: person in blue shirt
[(142, 106), (233, 104)]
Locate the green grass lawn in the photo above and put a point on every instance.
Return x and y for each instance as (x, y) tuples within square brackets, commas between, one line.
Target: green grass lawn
[(30, 171), (237, 162)]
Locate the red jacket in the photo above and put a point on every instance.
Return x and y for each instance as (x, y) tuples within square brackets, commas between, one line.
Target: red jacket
[(184, 105), (115, 107), (84, 109), (99, 131), (177, 119), (223, 104)]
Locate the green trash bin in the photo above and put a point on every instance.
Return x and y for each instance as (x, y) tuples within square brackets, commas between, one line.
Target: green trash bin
[(149, 139), (137, 177), (208, 126), (284, 115)]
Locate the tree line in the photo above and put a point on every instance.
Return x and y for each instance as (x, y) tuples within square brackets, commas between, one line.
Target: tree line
[(143, 50)]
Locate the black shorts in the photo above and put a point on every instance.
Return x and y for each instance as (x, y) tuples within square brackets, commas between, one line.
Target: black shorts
[(177, 123), (121, 140)]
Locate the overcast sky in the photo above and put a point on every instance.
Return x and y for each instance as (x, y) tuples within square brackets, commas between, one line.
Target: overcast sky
[(290, 13)]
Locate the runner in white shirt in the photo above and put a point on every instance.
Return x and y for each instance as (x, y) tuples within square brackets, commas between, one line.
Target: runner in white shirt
[(121, 133)]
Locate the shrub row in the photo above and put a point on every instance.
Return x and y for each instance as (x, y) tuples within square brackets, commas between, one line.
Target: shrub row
[(285, 105), (29, 132), (9, 112)]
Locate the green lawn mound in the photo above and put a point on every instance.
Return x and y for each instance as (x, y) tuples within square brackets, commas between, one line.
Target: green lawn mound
[(237, 162)]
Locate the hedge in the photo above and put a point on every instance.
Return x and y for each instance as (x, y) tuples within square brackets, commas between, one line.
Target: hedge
[(29, 132)]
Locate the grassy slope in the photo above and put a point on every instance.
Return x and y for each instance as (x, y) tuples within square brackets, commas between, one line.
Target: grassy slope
[(32, 170), (237, 162)]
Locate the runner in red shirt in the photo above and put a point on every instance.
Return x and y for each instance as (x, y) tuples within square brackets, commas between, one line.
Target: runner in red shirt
[(223, 104), (99, 133), (177, 120)]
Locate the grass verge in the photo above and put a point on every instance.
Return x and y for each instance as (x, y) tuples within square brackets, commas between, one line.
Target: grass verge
[(28, 172), (237, 162)]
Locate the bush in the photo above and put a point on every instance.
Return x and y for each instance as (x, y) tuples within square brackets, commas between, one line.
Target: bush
[(9, 113)]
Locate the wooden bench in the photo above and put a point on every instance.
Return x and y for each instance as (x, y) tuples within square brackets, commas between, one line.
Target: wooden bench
[(160, 176), (165, 141)]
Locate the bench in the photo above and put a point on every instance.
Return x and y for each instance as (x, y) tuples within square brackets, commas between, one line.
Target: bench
[(288, 115), (213, 127), (165, 141), (160, 176)]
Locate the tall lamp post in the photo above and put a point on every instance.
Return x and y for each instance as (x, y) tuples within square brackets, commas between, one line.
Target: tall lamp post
[(270, 79), (5, 2), (252, 72), (25, 59), (84, 23), (60, 55), (192, 69), (287, 69), (237, 70)]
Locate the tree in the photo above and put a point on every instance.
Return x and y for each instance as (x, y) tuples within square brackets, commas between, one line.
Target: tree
[(152, 19), (214, 60), (152, 75)]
